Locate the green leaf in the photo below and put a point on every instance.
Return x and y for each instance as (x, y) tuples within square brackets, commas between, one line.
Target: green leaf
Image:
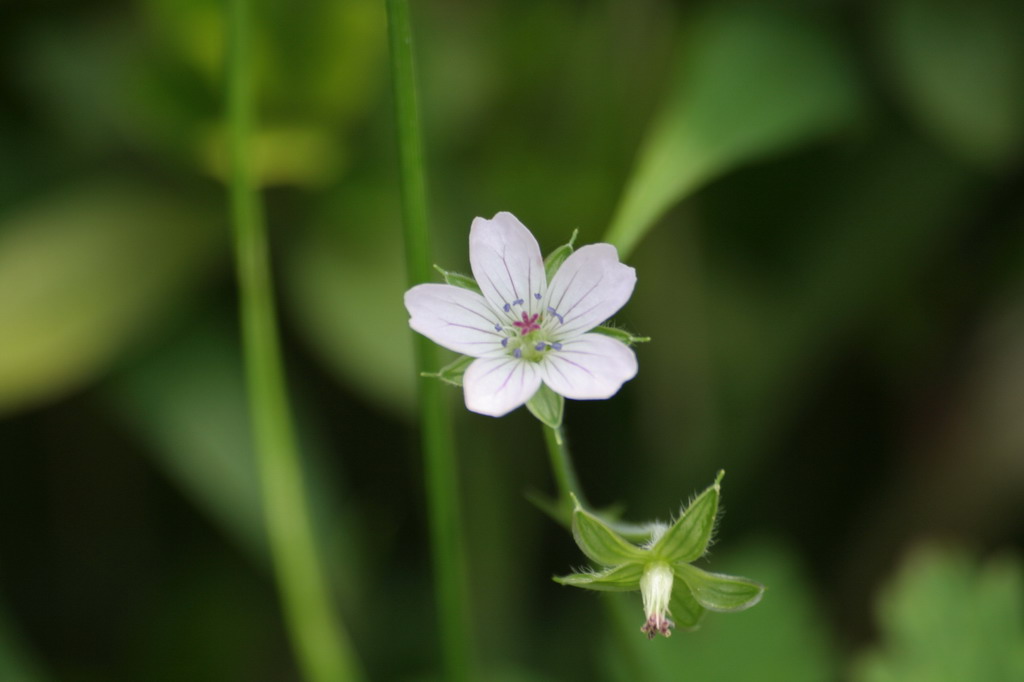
[(187, 403), (617, 579), (720, 592), (458, 280), (945, 618), (453, 371), (344, 286), (87, 273), (620, 335), (547, 406), (600, 543), (958, 67), (686, 612), (558, 256), (687, 539), (753, 81), (17, 661)]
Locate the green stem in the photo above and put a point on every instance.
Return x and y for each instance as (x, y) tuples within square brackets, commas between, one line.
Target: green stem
[(438, 445), (566, 481), (322, 645), (563, 471)]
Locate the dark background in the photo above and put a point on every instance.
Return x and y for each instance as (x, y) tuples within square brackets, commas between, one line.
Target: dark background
[(828, 218)]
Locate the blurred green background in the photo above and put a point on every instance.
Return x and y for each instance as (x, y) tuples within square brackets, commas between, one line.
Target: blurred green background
[(824, 202)]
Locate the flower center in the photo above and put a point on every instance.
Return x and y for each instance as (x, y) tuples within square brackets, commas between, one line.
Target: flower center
[(530, 337), (528, 324)]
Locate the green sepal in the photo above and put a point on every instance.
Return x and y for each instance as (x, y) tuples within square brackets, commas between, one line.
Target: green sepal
[(719, 592), (452, 372), (623, 578), (600, 543), (547, 406), (457, 280), (637, 533), (620, 335), (688, 538), (558, 256), (687, 613)]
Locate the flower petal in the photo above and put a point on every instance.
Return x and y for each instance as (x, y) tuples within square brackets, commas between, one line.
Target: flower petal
[(497, 385), (589, 288), (507, 265), (456, 318), (589, 367)]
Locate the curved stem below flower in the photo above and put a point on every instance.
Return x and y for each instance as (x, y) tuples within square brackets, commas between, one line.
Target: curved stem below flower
[(564, 473)]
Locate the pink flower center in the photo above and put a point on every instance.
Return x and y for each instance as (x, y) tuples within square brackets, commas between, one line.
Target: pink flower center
[(528, 324)]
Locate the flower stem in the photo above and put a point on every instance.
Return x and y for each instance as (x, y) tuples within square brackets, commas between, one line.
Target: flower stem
[(563, 471), (322, 646), (435, 423)]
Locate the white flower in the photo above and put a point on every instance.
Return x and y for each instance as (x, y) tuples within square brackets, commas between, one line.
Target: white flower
[(524, 330)]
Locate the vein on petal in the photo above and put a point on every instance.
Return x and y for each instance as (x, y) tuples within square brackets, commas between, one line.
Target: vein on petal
[(476, 312), (580, 300), (565, 289), (511, 280), (476, 329), (562, 358)]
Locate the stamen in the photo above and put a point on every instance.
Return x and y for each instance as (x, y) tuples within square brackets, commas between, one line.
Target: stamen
[(518, 301), (657, 625), (498, 327), (556, 346), (518, 352), (555, 313), (539, 346), (504, 342), (537, 296), (507, 307)]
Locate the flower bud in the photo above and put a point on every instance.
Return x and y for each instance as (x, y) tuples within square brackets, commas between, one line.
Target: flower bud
[(656, 590)]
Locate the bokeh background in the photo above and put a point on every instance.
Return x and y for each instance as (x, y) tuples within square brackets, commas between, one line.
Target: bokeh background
[(824, 202)]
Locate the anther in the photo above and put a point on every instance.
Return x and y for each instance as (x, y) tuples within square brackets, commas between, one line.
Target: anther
[(539, 346), (537, 296), (518, 352), (556, 346), (504, 342), (508, 307)]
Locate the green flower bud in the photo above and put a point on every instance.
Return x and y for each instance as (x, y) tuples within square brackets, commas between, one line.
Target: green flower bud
[(547, 406), (453, 371), (558, 256), (661, 568), (458, 280)]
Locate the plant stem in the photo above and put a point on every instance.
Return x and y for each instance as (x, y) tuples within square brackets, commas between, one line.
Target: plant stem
[(321, 644), (438, 445), (567, 482), (563, 471)]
